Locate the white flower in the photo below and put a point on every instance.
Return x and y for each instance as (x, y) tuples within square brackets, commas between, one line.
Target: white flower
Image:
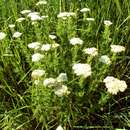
[(64, 15), (20, 19), (107, 22), (105, 59), (114, 85), (75, 41), (59, 128), (49, 82), (34, 45), (117, 48), (34, 16), (52, 36), (62, 77), (36, 74), (33, 13), (42, 2), (55, 45), (61, 91), (2, 35), (85, 10), (11, 25), (37, 57), (82, 69), (91, 51), (90, 19), (17, 34), (25, 11), (43, 17), (46, 47)]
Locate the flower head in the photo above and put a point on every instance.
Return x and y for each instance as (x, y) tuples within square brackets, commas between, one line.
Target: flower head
[(2, 35), (84, 10), (114, 85), (11, 25), (75, 41), (34, 16), (105, 59), (37, 57), (65, 15), (49, 82), (90, 19), (41, 2), (91, 51), (43, 17), (61, 91), (34, 45), (117, 48), (25, 11), (46, 47), (62, 77), (36, 74), (52, 36), (20, 19), (17, 34), (107, 22), (82, 69), (59, 128)]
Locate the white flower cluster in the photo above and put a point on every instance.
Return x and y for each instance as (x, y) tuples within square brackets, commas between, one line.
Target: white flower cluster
[(17, 35), (51, 36), (59, 88), (105, 59), (84, 10), (59, 128), (38, 73), (11, 25), (41, 2), (107, 23), (2, 35), (117, 48), (25, 11), (20, 19), (90, 19), (75, 41), (91, 51), (82, 70), (65, 15), (114, 85), (34, 45), (37, 57)]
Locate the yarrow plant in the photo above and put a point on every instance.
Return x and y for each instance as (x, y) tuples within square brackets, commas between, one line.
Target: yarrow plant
[(91, 51), (114, 85), (34, 45), (107, 22), (117, 48), (81, 69), (2, 35), (65, 15), (53, 56), (17, 35), (37, 57), (36, 74), (75, 41), (85, 10), (105, 59)]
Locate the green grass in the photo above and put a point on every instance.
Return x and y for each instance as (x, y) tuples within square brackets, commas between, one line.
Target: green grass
[(24, 105)]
